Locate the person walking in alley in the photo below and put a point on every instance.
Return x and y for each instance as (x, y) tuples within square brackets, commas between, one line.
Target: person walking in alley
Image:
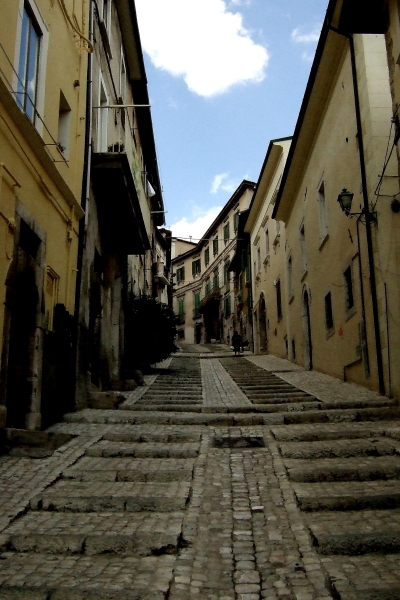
[(236, 342)]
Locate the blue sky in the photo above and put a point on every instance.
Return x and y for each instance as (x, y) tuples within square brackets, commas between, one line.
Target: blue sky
[(225, 77)]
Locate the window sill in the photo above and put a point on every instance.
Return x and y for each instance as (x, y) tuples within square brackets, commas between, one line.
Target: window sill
[(291, 299), (330, 332), (350, 313), (280, 319), (323, 242), (303, 275)]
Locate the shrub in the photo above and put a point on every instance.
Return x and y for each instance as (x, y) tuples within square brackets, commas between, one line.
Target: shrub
[(150, 333)]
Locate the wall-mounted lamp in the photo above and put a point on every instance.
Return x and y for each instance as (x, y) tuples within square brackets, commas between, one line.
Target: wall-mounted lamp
[(345, 199)]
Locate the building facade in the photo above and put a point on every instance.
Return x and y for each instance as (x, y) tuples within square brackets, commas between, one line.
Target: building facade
[(122, 252), (343, 311), (204, 294), (271, 266), (42, 134)]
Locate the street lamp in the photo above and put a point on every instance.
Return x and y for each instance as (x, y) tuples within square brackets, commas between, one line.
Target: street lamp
[(345, 199)]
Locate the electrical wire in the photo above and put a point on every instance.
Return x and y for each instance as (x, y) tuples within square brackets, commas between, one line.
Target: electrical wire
[(89, 46)]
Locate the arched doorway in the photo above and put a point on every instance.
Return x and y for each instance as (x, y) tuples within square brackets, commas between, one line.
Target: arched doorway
[(308, 355), (21, 351), (262, 325)]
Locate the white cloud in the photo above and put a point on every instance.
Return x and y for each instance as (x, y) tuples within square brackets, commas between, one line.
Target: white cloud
[(201, 41), (197, 227), (310, 37), (241, 2), (221, 182)]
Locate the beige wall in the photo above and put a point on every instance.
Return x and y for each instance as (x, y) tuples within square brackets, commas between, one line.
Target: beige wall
[(268, 259), (40, 183), (333, 162)]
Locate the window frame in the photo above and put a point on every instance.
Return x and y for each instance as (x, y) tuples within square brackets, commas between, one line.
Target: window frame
[(41, 62), (278, 292)]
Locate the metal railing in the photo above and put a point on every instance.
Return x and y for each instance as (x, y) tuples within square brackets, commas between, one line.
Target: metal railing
[(115, 131), (22, 99)]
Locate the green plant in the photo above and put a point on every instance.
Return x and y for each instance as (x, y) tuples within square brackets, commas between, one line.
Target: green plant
[(150, 333)]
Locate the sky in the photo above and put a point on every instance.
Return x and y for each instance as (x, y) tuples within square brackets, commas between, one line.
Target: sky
[(225, 77)]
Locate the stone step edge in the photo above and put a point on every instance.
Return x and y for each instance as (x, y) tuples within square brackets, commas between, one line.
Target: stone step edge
[(357, 544), (75, 593)]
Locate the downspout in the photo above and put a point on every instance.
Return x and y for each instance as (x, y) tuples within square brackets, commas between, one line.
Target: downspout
[(85, 187), (374, 298)]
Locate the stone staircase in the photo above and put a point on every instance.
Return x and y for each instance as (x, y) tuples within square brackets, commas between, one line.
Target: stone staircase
[(346, 481), (110, 527)]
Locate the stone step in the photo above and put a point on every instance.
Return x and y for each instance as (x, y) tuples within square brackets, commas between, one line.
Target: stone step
[(150, 437), (367, 577), (235, 418), (84, 577), (339, 448), (73, 496), (109, 449), (350, 469), (137, 534), (343, 415), (165, 407), (349, 495), (356, 532), (329, 431), (282, 399), (130, 469), (156, 399)]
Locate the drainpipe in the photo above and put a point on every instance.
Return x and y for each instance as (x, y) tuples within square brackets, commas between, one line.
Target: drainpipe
[(374, 298), (85, 185)]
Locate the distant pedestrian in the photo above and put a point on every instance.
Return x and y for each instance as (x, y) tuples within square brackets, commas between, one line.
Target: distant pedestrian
[(236, 342)]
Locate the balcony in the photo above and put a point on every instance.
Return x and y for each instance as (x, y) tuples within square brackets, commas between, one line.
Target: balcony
[(196, 313), (160, 274), (212, 295), (115, 180)]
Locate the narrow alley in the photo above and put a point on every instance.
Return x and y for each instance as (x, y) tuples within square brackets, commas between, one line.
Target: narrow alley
[(222, 478)]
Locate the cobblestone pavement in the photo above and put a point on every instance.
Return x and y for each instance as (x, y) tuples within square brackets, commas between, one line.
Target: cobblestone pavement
[(221, 478)]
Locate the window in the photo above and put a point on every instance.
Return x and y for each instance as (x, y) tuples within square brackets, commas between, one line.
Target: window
[(122, 78), (196, 267), (208, 286), (290, 277), (328, 311), (258, 260), (196, 304), (215, 246), (293, 349), (28, 66), (207, 256), (102, 134), (226, 272), (181, 309), (226, 233), (236, 221), (64, 119), (215, 279), (348, 288), (107, 14), (180, 274), (323, 226), (303, 250), (267, 242), (278, 299), (227, 306)]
